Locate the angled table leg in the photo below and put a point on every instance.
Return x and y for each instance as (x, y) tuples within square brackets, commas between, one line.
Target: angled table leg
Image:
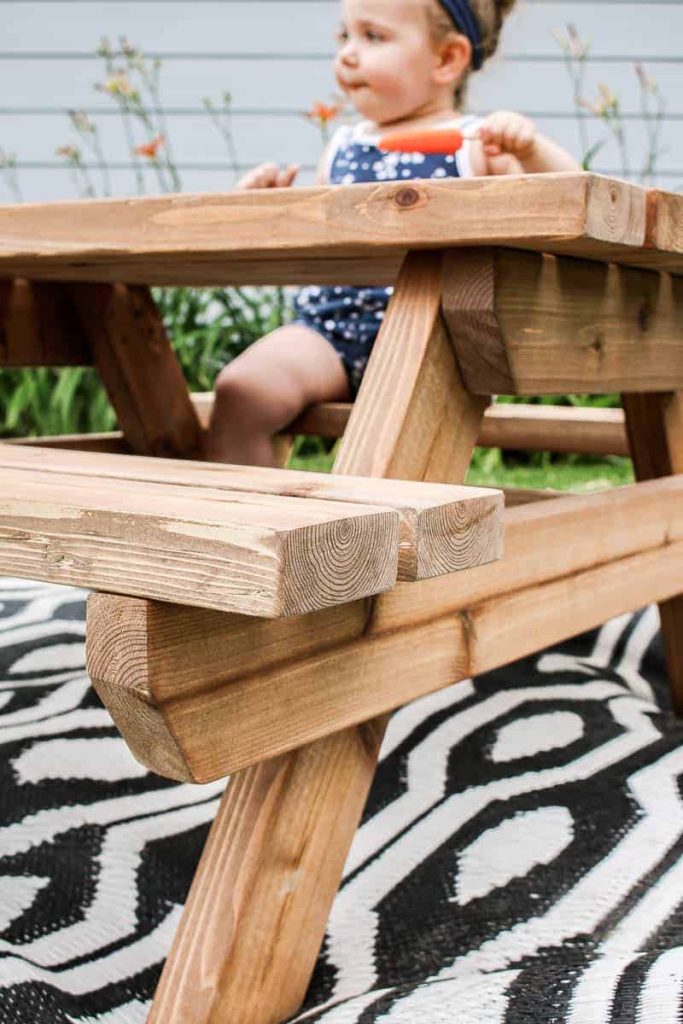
[(39, 326), (139, 368), (256, 913), (655, 428)]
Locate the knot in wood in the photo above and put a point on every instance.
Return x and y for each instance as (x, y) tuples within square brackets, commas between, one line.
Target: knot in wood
[(407, 197), (644, 314), (598, 343)]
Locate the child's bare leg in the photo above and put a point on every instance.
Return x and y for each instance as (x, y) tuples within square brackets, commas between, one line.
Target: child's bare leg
[(266, 387)]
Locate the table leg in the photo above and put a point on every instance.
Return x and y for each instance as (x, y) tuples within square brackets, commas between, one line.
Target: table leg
[(256, 913), (138, 368), (39, 326), (655, 429)]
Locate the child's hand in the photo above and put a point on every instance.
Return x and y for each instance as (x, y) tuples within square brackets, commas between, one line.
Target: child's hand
[(507, 132), (269, 176)]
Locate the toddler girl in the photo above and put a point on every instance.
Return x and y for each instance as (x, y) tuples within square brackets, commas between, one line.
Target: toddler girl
[(403, 64)]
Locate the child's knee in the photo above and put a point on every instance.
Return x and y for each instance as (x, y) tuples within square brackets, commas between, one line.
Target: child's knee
[(238, 391), (247, 394)]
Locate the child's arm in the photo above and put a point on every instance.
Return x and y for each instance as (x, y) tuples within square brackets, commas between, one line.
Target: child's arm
[(269, 176), (509, 143), (272, 176)]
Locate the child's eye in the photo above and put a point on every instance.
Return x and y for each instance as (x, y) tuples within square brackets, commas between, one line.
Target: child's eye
[(373, 37), (341, 36)]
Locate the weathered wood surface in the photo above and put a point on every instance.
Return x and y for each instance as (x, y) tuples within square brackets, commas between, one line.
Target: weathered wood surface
[(275, 855), (443, 528), (655, 427), (344, 234), (531, 324), (139, 369), (253, 553), (223, 692), (39, 326)]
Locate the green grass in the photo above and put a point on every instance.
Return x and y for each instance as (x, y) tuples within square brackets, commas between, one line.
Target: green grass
[(571, 473), (490, 468)]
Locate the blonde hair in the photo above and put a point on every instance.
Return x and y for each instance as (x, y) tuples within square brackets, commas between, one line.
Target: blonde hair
[(490, 15)]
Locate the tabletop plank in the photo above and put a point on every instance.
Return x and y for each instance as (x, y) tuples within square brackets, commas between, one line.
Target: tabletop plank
[(344, 234)]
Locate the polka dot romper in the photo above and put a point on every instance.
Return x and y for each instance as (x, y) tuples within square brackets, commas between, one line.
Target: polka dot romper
[(349, 318)]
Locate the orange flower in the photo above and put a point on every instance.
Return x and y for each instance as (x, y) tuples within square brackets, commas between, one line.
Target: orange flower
[(119, 85), (150, 149), (69, 152), (323, 113)]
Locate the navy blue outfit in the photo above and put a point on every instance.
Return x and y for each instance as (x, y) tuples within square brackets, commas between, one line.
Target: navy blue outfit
[(350, 317)]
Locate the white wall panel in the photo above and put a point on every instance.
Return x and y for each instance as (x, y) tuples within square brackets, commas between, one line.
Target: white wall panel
[(307, 26), (47, 66), (293, 86)]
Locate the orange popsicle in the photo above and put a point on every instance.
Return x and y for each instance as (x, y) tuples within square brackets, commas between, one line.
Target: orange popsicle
[(425, 140)]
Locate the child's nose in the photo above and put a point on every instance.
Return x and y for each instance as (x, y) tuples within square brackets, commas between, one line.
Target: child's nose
[(348, 53)]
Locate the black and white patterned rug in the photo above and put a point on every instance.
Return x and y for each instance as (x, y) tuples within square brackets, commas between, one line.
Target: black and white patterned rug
[(519, 859)]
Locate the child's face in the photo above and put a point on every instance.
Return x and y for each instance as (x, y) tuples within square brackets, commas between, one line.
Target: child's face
[(386, 58)]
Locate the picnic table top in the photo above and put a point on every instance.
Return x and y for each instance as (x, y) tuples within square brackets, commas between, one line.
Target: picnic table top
[(346, 234)]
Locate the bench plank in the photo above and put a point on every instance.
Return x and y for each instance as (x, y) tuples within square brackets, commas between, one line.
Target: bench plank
[(256, 554), (342, 234), (554, 428), (443, 528)]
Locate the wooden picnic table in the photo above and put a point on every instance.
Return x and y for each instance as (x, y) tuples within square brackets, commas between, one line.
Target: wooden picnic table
[(542, 284)]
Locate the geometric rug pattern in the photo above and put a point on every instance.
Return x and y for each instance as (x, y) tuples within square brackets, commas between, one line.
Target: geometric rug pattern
[(519, 859)]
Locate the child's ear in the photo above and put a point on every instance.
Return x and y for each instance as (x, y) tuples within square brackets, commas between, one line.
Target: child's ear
[(453, 59)]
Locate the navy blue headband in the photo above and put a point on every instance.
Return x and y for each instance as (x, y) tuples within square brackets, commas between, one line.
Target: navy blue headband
[(463, 16)]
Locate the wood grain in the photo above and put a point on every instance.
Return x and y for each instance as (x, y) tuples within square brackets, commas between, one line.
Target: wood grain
[(665, 221), (443, 528), (138, 368), (528, 324), (289, 823), (338, 234), (232, 691), (253, 553), (39, 326), (655, 428)]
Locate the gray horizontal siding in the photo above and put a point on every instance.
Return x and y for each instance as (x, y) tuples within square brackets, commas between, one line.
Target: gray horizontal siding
[(273, 57)]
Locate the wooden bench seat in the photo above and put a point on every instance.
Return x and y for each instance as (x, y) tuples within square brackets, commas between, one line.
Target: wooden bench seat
[(554, 428), (256, 541)]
